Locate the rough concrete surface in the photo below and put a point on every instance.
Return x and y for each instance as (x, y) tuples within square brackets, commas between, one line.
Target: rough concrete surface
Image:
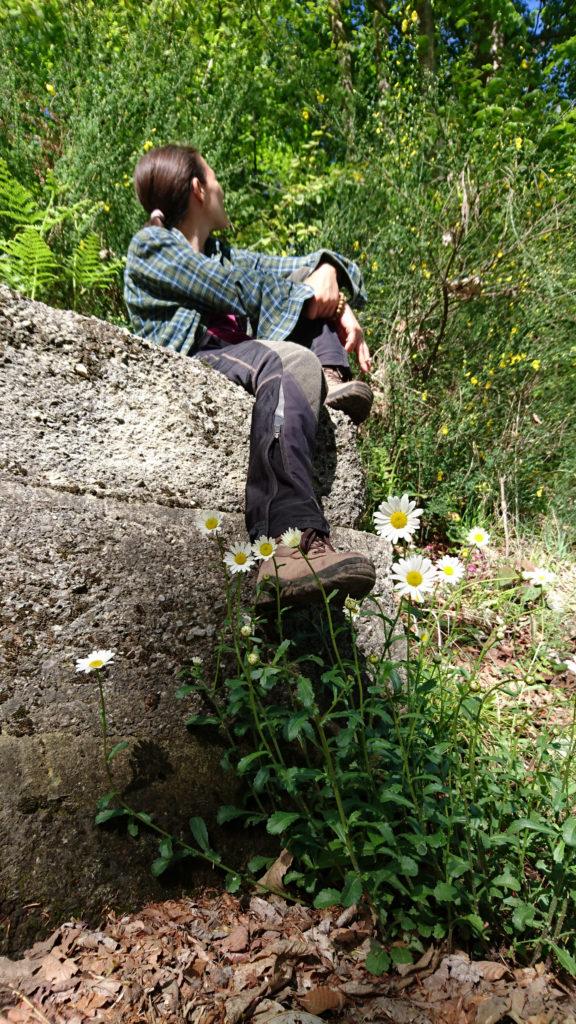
[(108, 445)]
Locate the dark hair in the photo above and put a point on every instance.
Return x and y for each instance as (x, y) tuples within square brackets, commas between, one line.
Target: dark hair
[(163, 178)]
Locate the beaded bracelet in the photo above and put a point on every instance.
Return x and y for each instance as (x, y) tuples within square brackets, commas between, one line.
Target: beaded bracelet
[(341, 304)]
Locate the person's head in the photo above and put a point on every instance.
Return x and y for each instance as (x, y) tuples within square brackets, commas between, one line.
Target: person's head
[(169, 179)]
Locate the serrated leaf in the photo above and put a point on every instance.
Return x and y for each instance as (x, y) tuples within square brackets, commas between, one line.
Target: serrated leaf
[(228, 813), (159, 865), (524, 914), (111, 812), (328, 898), (245, 762), (233, 882), (565, 959), (400, 955), (378, 961), (280, 821), (445, 893), (305, 692)]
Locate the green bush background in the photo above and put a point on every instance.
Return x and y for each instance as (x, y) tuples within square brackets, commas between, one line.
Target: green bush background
[(373, 128)]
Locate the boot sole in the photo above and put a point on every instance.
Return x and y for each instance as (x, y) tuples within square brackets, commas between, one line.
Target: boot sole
[(354, 399), (353, 578)]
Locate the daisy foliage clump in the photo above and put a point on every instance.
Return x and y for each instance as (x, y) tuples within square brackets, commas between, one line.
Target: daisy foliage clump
[(397, 518), (94, 661)]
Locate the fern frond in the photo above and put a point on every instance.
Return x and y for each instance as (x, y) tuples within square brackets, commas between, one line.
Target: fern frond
[(28, 263), (88, 267), (16, 202)]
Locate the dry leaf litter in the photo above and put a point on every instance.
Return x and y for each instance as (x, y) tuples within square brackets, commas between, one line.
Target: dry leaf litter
[(224, 960)]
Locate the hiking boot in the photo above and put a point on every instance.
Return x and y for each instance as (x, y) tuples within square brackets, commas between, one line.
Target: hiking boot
[(299, 577), (353, 397)]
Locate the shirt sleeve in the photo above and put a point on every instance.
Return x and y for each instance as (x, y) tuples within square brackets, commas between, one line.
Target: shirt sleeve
[(349, 273), (166, 267)]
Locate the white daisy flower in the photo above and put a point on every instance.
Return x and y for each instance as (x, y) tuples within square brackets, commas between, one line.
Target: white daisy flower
[(413, 577), (94, 661), (539, 577), (253, 658), (450, 570), (397, 518), (239, 558), (209, 522), (264, 548), (196, 660), (478, 537), (292, 537), (571, 665)]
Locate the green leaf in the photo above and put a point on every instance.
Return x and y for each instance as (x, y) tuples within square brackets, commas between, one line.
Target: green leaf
[(200, 832), (400, 955), (159, 865), (507, 881), (228, 813), (408, 866), (456, 866), (305, 692), (524, 914), (133, 828), (117, 748), (233, 882), (445, 893), (328, 898), (103, 816), (569, 831), (377, 962), (245, 762), (565, 959), (201, 720), (280, 821), (352, 891), (165, 848), (257, 863), (534, 826)]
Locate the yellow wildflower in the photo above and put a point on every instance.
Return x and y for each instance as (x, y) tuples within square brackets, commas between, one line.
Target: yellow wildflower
[(405, 25), (524, 64), (414, 17), (518, 142), (439, 475), (424, 396), (444, 430), (535, 364), (539, 492), (474, 380), (305, 114), (147, 145), (375, 265), (50, 88)]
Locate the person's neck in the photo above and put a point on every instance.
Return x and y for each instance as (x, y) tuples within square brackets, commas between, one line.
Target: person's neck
[(196, 231)]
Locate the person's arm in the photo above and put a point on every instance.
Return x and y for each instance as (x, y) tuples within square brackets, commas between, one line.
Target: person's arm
[(348, 272), (164, 266)]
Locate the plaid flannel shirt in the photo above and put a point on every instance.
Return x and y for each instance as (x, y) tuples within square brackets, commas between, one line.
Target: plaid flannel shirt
[(172, 292)]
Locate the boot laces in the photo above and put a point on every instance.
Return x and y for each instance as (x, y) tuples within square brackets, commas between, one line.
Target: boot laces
[(315, 543)]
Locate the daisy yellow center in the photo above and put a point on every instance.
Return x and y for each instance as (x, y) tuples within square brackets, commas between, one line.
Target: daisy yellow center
[(414, 578), (240, 558), (398, 520), (448, 570), (478, 536), (266, 549), (211, 523), (96, 663)]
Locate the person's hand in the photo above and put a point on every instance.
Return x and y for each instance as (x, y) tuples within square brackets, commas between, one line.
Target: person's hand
[(352, 337), (324, 281)]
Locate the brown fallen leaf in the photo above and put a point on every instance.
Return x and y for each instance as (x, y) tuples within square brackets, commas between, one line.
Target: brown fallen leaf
[(237, 941), (318, 1000), (273, 877), (491, 971), (54, 969), (349, 938), (492, 1010)]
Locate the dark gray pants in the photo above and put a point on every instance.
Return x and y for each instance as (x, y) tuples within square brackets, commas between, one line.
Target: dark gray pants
[(287, 382)]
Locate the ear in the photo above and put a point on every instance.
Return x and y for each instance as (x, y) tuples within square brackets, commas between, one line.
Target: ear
[(197, 190)]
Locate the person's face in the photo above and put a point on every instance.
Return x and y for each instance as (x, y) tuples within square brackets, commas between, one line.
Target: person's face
[(214, 201)]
